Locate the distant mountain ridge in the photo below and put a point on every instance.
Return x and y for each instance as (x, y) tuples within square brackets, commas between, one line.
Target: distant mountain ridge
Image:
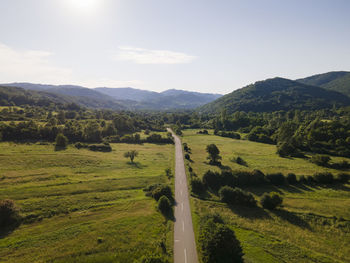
[(124, 98), (277, 94)]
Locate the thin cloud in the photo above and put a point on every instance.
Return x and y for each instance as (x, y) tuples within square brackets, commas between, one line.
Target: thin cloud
[(23, 65), (148, 56), (37, 66)]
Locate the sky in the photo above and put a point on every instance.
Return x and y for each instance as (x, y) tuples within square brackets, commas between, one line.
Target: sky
[(197, 45)]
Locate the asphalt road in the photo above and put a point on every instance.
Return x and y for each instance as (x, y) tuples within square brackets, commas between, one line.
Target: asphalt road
[(184, 241)]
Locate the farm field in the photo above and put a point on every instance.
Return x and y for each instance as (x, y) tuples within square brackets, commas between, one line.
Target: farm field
[(83, 206), (312, 226)]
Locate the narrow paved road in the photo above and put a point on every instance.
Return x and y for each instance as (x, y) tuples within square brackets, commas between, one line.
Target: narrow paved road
[(184, 242)]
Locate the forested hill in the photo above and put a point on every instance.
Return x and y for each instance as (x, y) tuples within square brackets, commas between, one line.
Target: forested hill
[(123, 98), (20, 97), (277, 94), (336, 81)]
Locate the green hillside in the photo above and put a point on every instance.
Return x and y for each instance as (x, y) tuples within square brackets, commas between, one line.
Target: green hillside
[(20, 97), (336, 81), (274, 95)]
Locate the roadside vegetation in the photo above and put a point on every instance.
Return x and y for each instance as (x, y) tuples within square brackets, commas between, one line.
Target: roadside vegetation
[(280, 209)]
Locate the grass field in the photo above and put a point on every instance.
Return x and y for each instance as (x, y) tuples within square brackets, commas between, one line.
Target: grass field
[(257, 155), (313, 224), (83, 206)]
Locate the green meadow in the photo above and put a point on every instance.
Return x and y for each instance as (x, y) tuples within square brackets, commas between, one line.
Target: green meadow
[(83, 206), (257, 156), (312, 226)]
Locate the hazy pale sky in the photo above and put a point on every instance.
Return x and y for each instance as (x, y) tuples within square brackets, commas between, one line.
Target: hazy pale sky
[(201, 45)]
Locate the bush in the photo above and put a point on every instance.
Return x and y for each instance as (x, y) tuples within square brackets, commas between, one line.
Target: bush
[(100, 147), (164, 205), (161, 190), (61, 141), (9, 213), (343, 178), (236, 196), (239, 160), (113, 139), (324, 178), (232, 135), (168, 173), (186, 148), (157, 138), (286, 149), (187, 156), (321, 160), (218, 243), (310, 179), (203, 132), (197, 186), (271, 201), (291, 178), (153, 258), (302, 179), (212, 180), (275, 178)]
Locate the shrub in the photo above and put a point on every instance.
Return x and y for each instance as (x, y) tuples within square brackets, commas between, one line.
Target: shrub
[(291, 178), (164, 205), (187, 156), (302, 179), (9, 213), (161, 190), (258, 177), (343, 178), (218, 243), (212, 180), (236, 196), (324, 178), (239, 160), (310, 179), (197, 186), (321, 160), (286, 149), (152, 258), (275, 178), (186, 148), (113, 139), (100, 147), (232, 135), (271, 201), (157, 138), (203, 132), (168, 173), (80, 145), (61, 141)]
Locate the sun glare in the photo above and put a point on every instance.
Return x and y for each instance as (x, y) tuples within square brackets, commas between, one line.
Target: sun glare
[(84, 6)]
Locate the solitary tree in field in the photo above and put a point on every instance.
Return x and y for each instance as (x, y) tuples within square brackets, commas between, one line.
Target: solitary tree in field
[(61, 141), (213, 151), (131, 154)]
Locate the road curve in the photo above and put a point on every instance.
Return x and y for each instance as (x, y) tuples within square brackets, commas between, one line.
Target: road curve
[(184, 241)]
